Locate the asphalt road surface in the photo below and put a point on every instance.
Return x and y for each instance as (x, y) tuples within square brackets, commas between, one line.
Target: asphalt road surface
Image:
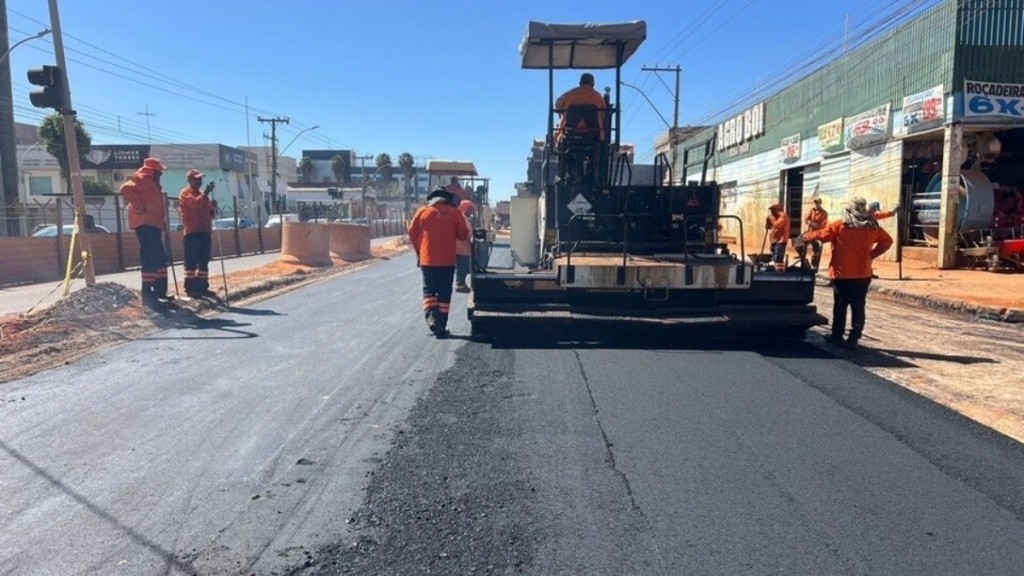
[(325, 431)]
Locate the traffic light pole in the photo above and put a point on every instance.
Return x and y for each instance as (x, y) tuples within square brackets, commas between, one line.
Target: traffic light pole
[(71, 140)]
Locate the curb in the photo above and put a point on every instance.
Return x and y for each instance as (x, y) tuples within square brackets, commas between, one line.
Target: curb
[(959, 307)]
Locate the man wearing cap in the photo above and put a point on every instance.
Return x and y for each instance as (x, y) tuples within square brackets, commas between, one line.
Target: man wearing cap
[(433, 232), (197, 211), (817, 219), (777, 226), (147, 215), (856, 241)]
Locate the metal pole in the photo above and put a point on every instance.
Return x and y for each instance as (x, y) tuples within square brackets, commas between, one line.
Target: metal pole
[(71, 143)]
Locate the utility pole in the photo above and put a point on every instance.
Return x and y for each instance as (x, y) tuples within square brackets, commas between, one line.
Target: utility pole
[(675, 116), (362, 163), (71, 143), (8, 170), (147, 114), (273, 158)]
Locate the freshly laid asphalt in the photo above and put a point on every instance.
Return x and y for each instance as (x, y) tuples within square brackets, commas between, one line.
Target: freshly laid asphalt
[(325, 430)]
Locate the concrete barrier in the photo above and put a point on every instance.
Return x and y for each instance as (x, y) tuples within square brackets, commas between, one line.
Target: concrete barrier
[(305, 244), (349, 242)]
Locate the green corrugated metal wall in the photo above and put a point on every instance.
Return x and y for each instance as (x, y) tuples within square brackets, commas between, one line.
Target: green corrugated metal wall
[(912, 58), (991, 42)]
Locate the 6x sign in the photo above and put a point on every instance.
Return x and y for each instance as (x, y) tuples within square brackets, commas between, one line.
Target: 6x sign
[(993, 100)]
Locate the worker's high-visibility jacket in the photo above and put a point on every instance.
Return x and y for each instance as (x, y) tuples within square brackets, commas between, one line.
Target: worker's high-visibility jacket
[(196, 211), (146, 204), (853, 248), (581, 95), (882, 214), (434, 230), (816, 219), (778, 228)]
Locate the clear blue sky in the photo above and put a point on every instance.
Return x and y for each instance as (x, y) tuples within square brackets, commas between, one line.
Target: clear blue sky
[(434, 78)]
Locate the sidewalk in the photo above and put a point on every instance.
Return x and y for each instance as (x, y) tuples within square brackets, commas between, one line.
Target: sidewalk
[(988, 295), (20, 299)]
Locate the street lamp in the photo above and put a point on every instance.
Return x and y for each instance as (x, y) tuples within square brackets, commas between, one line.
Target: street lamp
[(22, 41), (281, 153)]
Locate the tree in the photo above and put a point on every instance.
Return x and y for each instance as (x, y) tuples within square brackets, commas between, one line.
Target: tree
[(52, 133), (340, 169), (94, 188), (306, 168), (384, 168), (407, 164)]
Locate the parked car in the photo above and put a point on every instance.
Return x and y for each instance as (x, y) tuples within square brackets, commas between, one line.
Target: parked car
[(50, 230), (229, 223), (275, 220)]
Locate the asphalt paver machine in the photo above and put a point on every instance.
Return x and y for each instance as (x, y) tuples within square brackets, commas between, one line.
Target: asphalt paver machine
[(591, 242)]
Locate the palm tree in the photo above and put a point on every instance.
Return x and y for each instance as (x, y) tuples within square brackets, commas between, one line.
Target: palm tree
[(384, 167), (340, 169), (407, 164), (306, 168)]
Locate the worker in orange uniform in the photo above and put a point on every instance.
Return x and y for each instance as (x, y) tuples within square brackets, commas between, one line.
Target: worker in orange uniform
[(147, 215), (197, 211), (876, 212), (584, 94), (817, 219), (777, 225), (856, 241), (463, 251), (456, 189), (433, 233)]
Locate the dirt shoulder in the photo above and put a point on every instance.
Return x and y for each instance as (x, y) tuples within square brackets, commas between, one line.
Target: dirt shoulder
[(106, 314)]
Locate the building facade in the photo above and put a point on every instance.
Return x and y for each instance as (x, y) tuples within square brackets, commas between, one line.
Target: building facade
[(928, 117)]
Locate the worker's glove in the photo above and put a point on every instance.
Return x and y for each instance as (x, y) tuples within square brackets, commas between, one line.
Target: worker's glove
[(896, 208), (768, 224), (209, 188)]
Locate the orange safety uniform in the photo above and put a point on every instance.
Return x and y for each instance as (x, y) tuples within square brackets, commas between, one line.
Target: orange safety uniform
[(145, 200), (196, 211), (434, 231), (883, 214), (778, 228), (816, 219), (581, 95), (853, 248), (459, 192)]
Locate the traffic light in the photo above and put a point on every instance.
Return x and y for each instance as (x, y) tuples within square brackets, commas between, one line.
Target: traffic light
[(51, 78)]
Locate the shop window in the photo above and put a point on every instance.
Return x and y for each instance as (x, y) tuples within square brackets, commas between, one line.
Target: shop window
[(794, 200), (40, 185)]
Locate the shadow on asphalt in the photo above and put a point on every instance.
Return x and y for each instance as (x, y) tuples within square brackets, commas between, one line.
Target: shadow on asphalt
[(250, 311), (230, 329), (171, 563), (597, 336)]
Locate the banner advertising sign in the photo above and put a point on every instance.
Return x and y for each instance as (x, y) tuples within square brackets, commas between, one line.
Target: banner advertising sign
[(791, 148), (830, 136), (742, 128), (115, 157), (993, 101), (867, 128), (924, 110)]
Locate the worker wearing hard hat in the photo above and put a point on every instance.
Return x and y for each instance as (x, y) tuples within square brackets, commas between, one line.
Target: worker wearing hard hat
[(433, 233), (856, 241), (147, 215)]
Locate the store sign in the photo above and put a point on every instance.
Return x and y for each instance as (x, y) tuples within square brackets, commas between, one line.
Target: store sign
[(188, 156), (924, 109), (988, 100), (232, 159), (115, 157), (791, 148), (867, 128), (743, 128), (830, 136)]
